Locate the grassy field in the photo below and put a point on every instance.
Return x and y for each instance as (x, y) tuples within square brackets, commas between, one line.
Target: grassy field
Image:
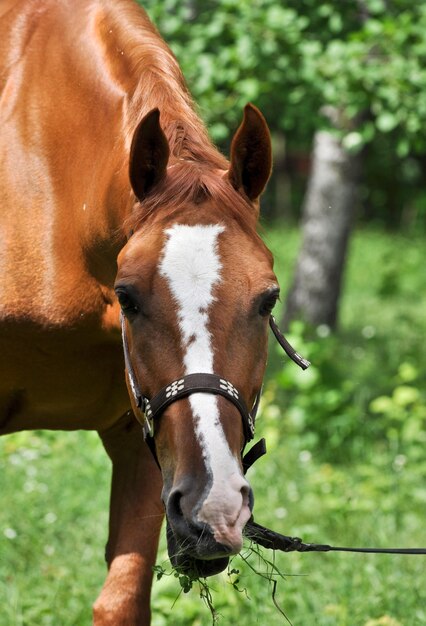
[(346, 465)]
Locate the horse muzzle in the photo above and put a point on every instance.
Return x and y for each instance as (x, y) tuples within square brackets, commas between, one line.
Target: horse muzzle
[(184, 559), (201, 539)]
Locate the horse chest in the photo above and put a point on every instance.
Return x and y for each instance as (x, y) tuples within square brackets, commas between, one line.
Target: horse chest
[(60, 380)]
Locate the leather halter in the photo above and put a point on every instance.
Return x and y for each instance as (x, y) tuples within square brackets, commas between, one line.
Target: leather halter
[(152, 408)]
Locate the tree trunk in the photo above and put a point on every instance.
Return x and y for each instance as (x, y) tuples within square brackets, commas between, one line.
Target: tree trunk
[(281, 179), (328, 214)]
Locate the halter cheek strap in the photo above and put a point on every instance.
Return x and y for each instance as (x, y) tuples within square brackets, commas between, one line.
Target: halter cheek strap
[(286, 346)]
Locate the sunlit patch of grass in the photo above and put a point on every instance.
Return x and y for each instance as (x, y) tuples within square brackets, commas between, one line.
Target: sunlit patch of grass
[(53, 527)]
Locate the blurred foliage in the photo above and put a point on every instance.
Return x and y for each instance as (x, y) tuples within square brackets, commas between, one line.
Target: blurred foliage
[(367, 382), (299, 60), (346, 403), (292, 58)]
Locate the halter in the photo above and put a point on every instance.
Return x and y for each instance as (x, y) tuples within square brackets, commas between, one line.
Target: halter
[(151, 409)]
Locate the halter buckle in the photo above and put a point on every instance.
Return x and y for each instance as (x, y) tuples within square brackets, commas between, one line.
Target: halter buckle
[(148, 427)]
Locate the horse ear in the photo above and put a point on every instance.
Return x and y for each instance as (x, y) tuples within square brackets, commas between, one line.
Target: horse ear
[(149, 155), (251, 154)]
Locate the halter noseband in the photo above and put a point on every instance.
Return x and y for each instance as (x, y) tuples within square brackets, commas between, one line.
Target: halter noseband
[(201, 383)]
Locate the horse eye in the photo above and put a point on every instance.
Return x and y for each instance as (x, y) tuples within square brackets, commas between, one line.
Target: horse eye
[(127, 303), (268, 303)]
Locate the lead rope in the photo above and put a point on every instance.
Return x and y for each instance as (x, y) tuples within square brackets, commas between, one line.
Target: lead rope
[(272, 540), (275, 541)]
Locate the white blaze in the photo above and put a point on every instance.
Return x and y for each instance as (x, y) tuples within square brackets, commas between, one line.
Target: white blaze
[(192, 267)]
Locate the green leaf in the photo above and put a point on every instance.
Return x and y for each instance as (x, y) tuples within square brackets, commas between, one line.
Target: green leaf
[(386, 121), (403, 148), (405, 395), (353, 142), (408, 372), (382, 404)]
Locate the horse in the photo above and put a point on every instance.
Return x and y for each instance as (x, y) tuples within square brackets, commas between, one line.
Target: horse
[(122, 224)]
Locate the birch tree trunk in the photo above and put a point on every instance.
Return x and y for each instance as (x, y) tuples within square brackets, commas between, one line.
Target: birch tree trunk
[(328, 215)]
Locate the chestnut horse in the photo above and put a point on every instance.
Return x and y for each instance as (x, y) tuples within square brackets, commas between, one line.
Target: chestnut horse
[(103, 163)]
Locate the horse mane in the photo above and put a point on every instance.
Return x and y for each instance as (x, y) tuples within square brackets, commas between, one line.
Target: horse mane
[(151, 77)]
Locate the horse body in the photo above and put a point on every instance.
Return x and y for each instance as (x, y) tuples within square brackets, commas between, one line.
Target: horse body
[(62, 200), (84, 162)]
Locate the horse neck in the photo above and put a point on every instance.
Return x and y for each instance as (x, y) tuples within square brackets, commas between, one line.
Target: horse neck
[(147, 76)]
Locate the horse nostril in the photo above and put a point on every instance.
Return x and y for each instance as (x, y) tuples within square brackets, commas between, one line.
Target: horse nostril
[(245, 490), (178, 519), (174, 510), (247, 495)]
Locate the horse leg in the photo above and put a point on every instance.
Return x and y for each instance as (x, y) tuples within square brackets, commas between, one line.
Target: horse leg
[(136, 514)]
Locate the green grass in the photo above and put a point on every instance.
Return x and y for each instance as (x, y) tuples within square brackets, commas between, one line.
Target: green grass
[(53, 524), (346, 465)]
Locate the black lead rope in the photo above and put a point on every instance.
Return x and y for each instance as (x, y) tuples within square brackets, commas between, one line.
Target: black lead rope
[(272, 540), (275, 541)]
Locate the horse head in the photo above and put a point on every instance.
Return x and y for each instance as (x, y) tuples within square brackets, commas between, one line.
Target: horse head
[(196, 287)]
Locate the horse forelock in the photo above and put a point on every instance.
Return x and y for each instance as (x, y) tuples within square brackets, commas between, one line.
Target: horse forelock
[(190, 184)]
